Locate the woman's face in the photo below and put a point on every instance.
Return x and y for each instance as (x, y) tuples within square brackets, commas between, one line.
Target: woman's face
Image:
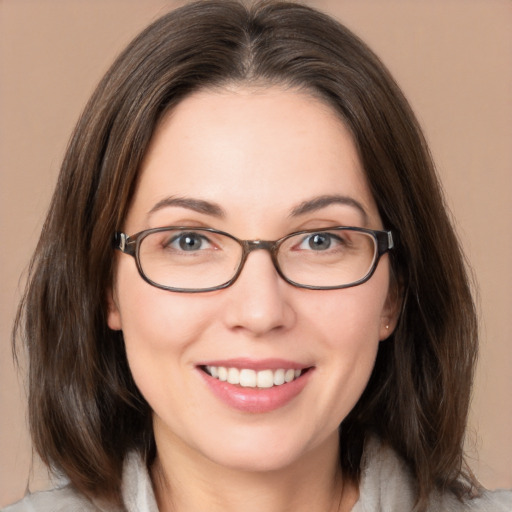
[(243, 160)]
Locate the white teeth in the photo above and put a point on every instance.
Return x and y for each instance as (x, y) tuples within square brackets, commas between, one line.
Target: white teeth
[(278, 377), (289, 375), (265, 379), (248, 378), (233, 376), (222, 372)]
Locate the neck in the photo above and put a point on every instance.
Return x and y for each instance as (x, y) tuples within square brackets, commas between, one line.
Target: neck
[(187, 482)]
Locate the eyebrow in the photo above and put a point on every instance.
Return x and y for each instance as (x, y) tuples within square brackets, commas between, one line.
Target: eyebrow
[(317, 203), (197, 205), (311, 205)]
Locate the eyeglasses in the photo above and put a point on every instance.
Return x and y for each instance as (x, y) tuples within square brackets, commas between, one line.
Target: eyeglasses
[(187, 259)]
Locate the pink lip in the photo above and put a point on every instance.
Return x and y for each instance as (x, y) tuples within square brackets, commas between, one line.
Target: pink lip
[(255, 400)]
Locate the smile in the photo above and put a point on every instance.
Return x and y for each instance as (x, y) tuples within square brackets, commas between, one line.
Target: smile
[(249, 378)]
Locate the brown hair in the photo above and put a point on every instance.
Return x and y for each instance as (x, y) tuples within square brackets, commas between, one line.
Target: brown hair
[(85, 410)]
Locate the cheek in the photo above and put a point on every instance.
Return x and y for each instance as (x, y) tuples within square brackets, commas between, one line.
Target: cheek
[(350, 325), (352, 316), (159, 329), (150, 316), (158, 326), (350, 329)]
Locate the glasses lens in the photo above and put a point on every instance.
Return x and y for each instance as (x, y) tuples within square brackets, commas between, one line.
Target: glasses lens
[(189, 259), (329, 258)]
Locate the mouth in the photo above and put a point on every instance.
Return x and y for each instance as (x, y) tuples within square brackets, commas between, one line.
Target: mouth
[(250, 378), (255, 386)]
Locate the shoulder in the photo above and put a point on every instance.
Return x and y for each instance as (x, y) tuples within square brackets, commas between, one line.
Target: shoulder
[(387, 486), (64, 499), (137, 494), (489, 501)]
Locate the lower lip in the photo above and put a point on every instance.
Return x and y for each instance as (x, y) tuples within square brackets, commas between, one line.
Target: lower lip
[(256, 400)]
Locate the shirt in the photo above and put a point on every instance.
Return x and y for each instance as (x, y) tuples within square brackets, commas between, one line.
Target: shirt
[(386, 486)]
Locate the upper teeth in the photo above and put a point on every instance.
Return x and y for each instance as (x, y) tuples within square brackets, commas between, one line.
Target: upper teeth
[(251, 378)]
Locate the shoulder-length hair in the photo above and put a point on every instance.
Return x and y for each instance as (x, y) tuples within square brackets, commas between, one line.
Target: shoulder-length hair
[(85, 410)]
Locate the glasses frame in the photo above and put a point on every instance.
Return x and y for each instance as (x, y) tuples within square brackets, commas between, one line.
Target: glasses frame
[(131, 245)]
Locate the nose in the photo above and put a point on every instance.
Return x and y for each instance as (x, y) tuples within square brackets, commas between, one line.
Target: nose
[(258, 300)]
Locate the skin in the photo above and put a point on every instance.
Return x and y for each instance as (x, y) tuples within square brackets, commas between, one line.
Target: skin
[(258, 153)]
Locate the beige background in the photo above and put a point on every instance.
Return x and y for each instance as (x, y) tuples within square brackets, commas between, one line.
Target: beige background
[(452, 58)]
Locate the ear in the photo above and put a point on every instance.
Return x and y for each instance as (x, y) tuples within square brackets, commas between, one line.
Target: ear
[(113, 313), (391, 310)]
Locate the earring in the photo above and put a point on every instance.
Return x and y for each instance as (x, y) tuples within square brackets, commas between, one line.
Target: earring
[(387, 326)]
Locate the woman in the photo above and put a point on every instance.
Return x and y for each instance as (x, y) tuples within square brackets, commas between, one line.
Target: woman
[(247, 291)]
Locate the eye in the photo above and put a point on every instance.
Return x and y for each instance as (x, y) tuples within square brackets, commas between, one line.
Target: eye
[(319, 241), (189, 242)]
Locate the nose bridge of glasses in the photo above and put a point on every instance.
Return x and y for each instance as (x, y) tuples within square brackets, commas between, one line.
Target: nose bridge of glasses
[(255, 245)]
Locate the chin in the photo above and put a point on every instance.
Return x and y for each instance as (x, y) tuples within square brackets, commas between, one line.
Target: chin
[(260, 451), (256, 460)]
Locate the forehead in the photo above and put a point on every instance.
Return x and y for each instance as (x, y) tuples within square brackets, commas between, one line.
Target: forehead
[(255, 151)]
